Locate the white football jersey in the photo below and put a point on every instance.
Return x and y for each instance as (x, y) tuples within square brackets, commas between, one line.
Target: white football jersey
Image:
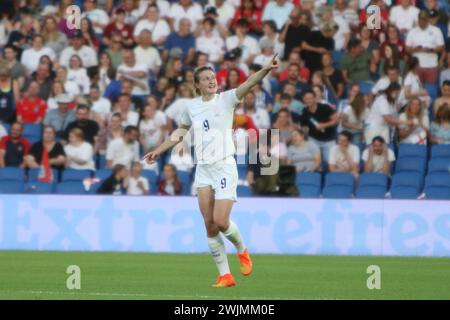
[(212, 125)]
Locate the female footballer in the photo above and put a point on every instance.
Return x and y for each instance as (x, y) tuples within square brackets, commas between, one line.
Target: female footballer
[(211, 116)]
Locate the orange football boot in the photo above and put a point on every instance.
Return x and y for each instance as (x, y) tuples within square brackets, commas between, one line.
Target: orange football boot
[(224, 281), (245, 262)]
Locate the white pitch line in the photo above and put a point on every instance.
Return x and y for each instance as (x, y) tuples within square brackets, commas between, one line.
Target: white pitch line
[(142, 295)]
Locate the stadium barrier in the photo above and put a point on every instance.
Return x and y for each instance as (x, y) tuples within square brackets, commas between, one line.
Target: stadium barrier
[(269, 225)]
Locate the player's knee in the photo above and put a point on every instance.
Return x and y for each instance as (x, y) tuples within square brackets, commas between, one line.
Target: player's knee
[(222, 223), (211, 228)]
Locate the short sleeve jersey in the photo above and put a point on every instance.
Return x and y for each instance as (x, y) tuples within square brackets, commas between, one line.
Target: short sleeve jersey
[(212, 123)]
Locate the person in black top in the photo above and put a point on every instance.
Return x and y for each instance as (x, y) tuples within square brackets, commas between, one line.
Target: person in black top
[(318, 43), (295, 31), (56, 154), (321, 122), (90, 127), (116, 183)]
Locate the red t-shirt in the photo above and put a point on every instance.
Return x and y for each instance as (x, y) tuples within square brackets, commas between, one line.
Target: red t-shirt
[(31, 109), (222, 74), (126, 31)]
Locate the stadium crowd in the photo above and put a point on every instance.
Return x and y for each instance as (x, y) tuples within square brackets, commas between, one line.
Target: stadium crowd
[(345, 98)]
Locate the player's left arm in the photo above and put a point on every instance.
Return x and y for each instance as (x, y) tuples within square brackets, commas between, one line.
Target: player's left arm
[(255, 78)]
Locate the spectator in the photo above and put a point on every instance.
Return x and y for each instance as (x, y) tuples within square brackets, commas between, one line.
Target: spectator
[(115, 51), (116, 182), (100, 106), (152, 126), (43, 76), (210, 43), (57, 89), (30, 57), (159, 28), (357, 64), (176, 109), (56, 155), (14, 147), (112, 130), (225, 13), (181, 157), (21, 37), (89, 127), (353, 118), (185, 9), (267, 52), (106, 71), (270, 33), (241, 39), (316, 44), (124, 150), (249, 12), (146, 54), (426, 43), (9, 91), (333, 78), (77, 74), (404, 16), (352, 91), (137, 184), (98, 17), (170, 185), (293, 78), (230, 62), (383, 116), (444, 98), (89, 36), (393, 38), (131, 11), (440, 128), (320, 82), (182, 39), (87, 54), (392, 75), (343, 10), (174, 71), (342, 29), (53, 38), (369, 44), (61, 117), (391, 59), (232, 79), (118, 25), (284, 123), (72, 89), (378, 157), (277, 11), (16, 69), (129, 117), (302, 153), (295, 31), (288, 102), (259, 116), (412, 85), (79, 153), (31, 108), (320, 120), (138, 73), (344, 156), (417, 132)]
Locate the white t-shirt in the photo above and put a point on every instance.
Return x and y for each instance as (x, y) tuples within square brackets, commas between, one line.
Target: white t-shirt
[(336, 157), (121, 153), (404, 18), (151, 129), (182, 163), (144, 81), (262, 59), (98, 16), (249, 46), (413, 81), (261, 118), (87, 54), (176, 109), (72, 89), (340, 35), (212, 123), (102, 106), (81, 78), (213, 46), (378, 160), (159, 29), (431, 37), (132, 119), (380, 107), (133, 188), (419, 134), (30, 57), (193, 13), (163, 7), (149, 57), (351, 117), (225, 12), (382, 84), (84, 152)]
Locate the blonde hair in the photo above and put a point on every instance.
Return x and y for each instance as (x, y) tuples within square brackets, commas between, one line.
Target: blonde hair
[(197, 73)]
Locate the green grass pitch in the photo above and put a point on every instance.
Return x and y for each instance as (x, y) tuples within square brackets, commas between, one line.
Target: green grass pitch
[(42, 275)]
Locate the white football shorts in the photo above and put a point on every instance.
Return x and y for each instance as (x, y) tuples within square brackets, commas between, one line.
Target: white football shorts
[(222, 176)]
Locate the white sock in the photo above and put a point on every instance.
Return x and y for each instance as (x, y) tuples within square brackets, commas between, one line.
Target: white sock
[(234, 235), (217, 248)]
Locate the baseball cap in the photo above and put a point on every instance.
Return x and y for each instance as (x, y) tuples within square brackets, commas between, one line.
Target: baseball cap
[(63, 98)]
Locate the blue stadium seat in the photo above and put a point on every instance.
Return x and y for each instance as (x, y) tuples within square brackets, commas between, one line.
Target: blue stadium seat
[(244, 191), (31, 129), (32, 139), (152, 180), (437, 193), (439, 165), (75, 175), (433, 90), (438, 180), (70, 187), (101, 161), (94, 187), (12, 174), (36, 187), (412, 179), (412, 150), (12, 186), (33, 175), (103, 174), (373, 179), (405, 192), (309, 184), (410, 164), (339, 179), (440, 151), (370, 192), (242, 171), (337, 192)]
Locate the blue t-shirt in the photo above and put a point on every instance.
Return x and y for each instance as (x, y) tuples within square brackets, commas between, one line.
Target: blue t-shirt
[(174, 40)]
